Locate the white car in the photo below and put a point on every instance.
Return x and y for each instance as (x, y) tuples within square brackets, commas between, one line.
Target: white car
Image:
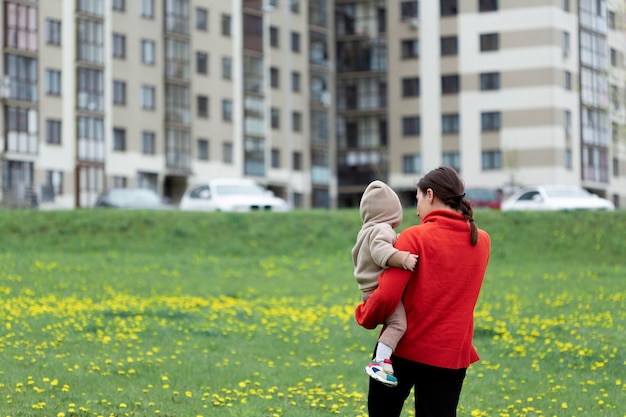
[(556, 197), (231, 194)]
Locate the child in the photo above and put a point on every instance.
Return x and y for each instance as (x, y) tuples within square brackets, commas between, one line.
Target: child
[(381, 213)]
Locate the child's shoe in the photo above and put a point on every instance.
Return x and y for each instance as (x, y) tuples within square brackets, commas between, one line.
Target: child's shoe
[(382, 371)]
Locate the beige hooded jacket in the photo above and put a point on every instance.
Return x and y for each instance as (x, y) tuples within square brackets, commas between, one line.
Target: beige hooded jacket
[(381, 212)]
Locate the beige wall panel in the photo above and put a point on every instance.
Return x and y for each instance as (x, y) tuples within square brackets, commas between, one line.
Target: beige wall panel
[(540, 157), (490, 141), (448, 26), (529, 38), (449, 104), (532, 77), (522, 4), (531, 117), (471, 82), (450, 143), (449, 65)]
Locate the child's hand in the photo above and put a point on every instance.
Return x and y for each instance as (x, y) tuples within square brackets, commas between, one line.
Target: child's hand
[(410, 261)]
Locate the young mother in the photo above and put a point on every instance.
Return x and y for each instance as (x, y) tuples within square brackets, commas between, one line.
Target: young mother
[(439, 298)]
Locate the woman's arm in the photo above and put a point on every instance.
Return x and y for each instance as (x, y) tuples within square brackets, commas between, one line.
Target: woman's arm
[(384, 299)]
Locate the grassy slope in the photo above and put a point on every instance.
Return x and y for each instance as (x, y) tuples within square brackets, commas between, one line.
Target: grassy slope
[(567, 237)]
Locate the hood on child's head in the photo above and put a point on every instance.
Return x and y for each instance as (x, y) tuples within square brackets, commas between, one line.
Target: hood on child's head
[(381, 204)]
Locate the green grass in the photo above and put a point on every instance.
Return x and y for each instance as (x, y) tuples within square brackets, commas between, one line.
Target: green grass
[(111, 313)]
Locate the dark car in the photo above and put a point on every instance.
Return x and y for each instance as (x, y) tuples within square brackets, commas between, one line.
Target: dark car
[(484, 197), (132, 198)]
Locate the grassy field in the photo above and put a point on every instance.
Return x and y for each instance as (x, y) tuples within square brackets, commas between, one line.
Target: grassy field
[(110, 313)]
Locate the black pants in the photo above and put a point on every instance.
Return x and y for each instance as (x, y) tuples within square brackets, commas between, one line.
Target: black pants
[(437, 390)]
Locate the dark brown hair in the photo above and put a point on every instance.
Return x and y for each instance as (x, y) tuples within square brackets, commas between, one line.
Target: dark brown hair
[(448, 187)]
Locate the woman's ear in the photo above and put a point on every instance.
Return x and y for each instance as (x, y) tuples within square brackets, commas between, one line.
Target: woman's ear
[(430, 196)]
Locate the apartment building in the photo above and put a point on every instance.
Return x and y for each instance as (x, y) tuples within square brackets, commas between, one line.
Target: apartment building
[(160, 94), (313, 99)]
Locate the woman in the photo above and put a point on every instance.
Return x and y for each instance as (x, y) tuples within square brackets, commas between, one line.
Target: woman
[(439, 298)]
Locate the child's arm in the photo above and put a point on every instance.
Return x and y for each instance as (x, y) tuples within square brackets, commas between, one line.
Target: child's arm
[(403, 259)]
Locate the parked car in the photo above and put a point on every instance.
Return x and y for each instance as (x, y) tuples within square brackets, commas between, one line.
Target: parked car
[(483, 197), (132, 198), (233, 194), (556, 197)]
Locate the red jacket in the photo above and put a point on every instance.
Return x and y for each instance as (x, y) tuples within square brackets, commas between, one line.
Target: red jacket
[(439, 296)]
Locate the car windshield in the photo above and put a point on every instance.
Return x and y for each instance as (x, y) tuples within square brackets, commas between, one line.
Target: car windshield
[(239, 189), (133, 197), (568, 193)]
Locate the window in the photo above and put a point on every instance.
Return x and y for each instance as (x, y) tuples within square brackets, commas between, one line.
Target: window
[(202, 62), (177, 16), (615, 167), (21, 128), (202, 19), (565, 44), (20, 26), (177, 58), (148, 143), (227, 68), (613, 53), (119, 45), (567, 80), (177, 104), (147, 8), (119, 92), (411, 125), (295, 6), (54, 181), (411, 164), (274, 36), (275, 158), (449, 45), (487, 5), (452, 159), (490, 81), (490, 121), (119, 181), (567, 123), (90, 89), (53, 82), (203, 149), (227, 110), (296, 121), (408, 9), (274, 77), (611, 19), (489, 42), (53, 132), (411, 87), (53, 32), (565, 5), (119, 5), (275, 117), (450, 123), (448, 7), (226, 25), (295, 81), (568, 158), (449, 84), (147, 97), (147, 52), (227, 153), (119, 139), (491, 160), (90, 41), (90, 138), (615, 97), (203, 106), (295, 42), (410, 48), (297, 161)]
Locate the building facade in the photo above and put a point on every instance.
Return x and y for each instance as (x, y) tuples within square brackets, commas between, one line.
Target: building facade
[(313, 99)]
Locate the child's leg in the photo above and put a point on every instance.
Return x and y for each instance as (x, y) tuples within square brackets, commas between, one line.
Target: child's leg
[(394, 330)]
